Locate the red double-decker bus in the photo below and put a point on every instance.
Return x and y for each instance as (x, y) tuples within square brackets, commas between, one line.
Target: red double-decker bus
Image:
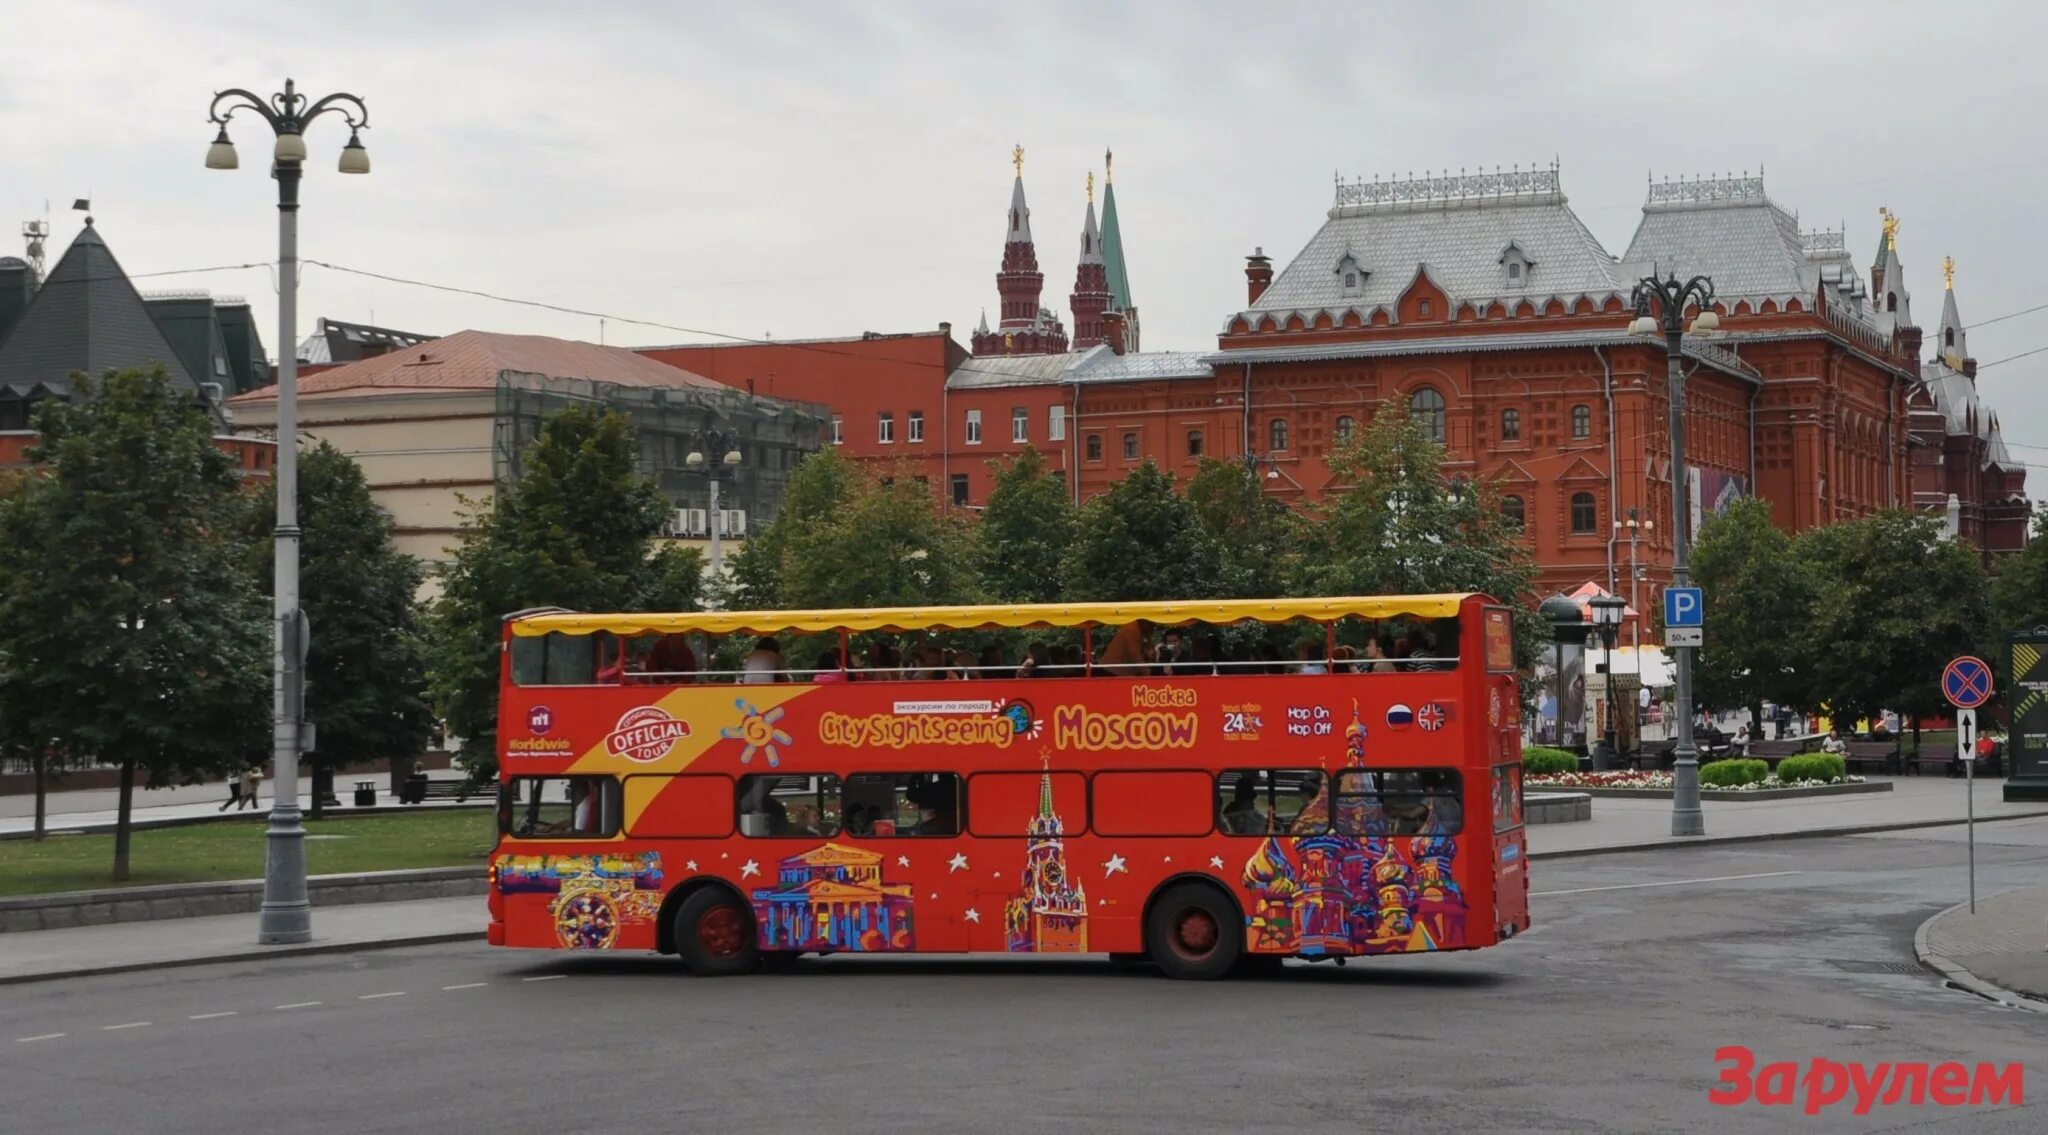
[(1196, 805)]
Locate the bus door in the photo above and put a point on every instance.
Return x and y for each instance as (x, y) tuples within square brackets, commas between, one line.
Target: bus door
[(1510, 852)]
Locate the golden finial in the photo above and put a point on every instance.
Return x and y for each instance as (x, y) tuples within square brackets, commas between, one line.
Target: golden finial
[(1017, 158), (1891, 226), (1948, 273), (1106, 156), (1091, 187)]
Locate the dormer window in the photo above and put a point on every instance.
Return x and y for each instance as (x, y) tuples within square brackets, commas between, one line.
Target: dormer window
[(1516, 264), (1948, 336), (1351, 275)]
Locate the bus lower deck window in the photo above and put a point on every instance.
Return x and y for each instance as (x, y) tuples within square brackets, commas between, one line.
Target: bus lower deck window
[(1399, 802), (560, 807), (1259, 801), (903, 804), (771, 805)]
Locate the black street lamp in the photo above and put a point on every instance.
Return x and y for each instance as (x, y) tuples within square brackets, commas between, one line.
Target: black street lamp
[(1670, 298), (1607, 611), (287, 915)]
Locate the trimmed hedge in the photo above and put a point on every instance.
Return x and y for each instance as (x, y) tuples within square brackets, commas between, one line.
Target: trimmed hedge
[(1733, 773), (1542, 759), (1813, 766)]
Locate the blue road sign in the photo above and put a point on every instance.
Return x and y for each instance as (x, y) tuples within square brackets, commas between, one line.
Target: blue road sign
[(1966, 683), (1683, 607)]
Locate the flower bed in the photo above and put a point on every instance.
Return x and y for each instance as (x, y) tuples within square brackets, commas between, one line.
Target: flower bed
[(1659, 784)]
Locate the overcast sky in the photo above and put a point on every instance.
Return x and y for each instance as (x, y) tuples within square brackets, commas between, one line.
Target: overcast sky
[(816, 170)]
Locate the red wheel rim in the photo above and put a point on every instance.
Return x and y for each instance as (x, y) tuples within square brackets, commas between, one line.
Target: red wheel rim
[(721, 932), (1195, 933)]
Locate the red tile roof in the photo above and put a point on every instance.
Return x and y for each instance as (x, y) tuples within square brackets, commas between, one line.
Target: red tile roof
[(472, 360)]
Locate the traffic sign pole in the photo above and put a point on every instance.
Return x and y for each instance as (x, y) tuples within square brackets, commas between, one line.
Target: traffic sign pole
[(1967, 684)]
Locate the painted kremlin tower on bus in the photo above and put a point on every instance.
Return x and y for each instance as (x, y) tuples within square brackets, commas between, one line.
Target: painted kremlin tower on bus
[(1050, 913)]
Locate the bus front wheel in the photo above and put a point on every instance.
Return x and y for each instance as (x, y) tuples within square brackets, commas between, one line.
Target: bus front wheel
[(1193, 932), (715, 934)]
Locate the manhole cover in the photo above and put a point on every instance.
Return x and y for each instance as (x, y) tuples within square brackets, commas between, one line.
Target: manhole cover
[(1851, 965)]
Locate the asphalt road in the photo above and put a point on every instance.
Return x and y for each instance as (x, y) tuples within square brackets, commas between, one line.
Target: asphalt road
[(1605, 1018)]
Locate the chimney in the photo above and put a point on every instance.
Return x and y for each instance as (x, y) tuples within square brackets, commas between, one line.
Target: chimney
[(1113, 331), (1258, 274), (1970, 369), (945, 330), (1909, 342)]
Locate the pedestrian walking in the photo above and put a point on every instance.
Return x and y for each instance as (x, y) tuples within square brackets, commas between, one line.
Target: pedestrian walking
[(234, 793), (250, 778)]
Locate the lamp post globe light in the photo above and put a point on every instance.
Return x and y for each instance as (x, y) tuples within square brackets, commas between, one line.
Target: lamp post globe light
[(726, 446), (287, 916), (1607, 612), (1670, 298)]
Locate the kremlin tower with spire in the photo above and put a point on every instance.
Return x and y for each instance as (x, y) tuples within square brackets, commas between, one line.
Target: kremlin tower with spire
[(1100, 301)]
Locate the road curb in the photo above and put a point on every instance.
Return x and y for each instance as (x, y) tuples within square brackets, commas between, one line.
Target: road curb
[(1811, 833), (252, 954), (1963, 979)]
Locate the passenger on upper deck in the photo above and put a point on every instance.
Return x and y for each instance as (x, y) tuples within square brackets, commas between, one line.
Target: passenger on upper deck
[(764, 665), (1126, 652), (671, 659)]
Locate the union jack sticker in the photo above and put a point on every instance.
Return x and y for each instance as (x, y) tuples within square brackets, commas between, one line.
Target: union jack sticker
[(1431, 717)]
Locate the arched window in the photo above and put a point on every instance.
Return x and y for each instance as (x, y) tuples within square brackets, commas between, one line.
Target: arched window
[(1276, 435), (1427, 407), (1344, 427), (1585, 514), (1511, 425), (1094, 447), (1511, 510), (1582, 421), (1948, 336), (1130, 447), (1194, 443)]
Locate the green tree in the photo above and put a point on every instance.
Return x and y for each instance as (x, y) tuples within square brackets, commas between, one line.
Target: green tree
[(2019, 592), (1759, 599), (1401, 527), (131, 620), (575, 531), (1895, 601), (1141, 540), (818, 490), (1254, 534), (366, 682), (887, 545), (1028, 525)]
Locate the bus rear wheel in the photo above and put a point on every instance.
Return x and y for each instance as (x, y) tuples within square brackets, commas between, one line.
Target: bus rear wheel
[(1194, 933), (715, 934)]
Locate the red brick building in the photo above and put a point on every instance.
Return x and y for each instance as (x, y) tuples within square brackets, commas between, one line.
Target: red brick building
[(1487, 304)]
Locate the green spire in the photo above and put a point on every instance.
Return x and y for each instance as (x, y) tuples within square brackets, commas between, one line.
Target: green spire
[(1113, 244)]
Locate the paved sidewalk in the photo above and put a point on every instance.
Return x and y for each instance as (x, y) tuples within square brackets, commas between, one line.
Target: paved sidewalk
[(2001, 949), (96, 809), (42, 954), (1631, 823)]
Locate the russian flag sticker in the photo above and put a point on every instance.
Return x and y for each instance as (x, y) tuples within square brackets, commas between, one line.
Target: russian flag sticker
[(1399, 716)]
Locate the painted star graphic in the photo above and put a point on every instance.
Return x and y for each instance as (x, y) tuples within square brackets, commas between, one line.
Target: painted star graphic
[(690, 866), (724, 855), (973, 915), (935, 894), (957, 863), (903, 861), (1169, 859), (749, 868), (1112, 865), (1216, 861)]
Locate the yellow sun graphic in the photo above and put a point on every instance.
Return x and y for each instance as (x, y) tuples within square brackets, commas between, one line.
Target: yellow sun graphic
[(758, 730)]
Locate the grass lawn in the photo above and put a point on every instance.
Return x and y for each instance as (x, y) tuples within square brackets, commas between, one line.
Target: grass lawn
[(233, 849)]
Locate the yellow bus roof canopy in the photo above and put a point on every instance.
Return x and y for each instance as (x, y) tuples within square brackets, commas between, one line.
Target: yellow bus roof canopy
[(1215, 611)]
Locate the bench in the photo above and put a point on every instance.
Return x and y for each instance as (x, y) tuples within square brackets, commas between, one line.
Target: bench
[(419, 791), (1652, 755), (1883, 756), (1775, 750)]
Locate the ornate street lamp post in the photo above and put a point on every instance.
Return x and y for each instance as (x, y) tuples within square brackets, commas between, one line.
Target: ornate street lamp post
[(1607, 611), (1670, 299), (287, 916), (725, 449)]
